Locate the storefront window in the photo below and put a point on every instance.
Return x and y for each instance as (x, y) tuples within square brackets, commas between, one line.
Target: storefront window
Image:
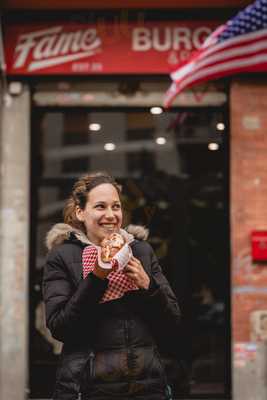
[(174, 170)]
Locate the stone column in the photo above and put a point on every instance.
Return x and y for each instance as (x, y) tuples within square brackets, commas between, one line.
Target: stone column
[(14, 245)]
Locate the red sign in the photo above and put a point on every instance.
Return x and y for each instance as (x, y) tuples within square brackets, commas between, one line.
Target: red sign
[(259, 245), (101, 48)]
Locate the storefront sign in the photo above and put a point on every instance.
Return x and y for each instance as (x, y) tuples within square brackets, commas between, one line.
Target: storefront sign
[(107, 48)]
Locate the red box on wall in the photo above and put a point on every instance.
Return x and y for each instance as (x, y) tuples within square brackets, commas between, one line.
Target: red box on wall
[(259, 245)]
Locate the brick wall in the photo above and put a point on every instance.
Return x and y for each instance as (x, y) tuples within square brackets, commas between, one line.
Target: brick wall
[(248, 198)]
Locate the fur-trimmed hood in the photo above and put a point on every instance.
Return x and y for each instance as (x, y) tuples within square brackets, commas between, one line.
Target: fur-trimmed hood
[(61, 232)]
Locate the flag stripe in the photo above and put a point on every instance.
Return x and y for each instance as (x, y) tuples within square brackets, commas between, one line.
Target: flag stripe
[(229, 66), (232, 53), (237, 40)]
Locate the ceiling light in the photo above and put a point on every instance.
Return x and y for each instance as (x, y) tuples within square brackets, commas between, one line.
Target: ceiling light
[(95, 127), (109, 146), (213, 146), (220, 126), (156, 110), (161, 140)]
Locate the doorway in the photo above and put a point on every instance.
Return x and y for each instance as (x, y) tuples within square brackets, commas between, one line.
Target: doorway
[(173, 167)]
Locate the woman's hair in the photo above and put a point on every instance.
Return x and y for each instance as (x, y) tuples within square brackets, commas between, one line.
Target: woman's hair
[(79, 196)]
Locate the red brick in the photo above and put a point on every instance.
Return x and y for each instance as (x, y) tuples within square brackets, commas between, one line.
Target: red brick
[(248, 188)]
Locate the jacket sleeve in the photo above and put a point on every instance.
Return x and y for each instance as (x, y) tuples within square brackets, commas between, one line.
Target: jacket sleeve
[(66, 305), (160, 297), (159, 307), (165, 318)]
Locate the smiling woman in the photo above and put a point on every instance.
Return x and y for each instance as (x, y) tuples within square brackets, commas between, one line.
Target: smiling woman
[(108, 318)]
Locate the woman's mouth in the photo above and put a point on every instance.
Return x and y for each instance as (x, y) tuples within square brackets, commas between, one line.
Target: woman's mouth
[(109, 227)]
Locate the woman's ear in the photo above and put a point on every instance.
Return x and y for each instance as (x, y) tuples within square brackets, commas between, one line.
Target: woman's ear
[(79, 214)]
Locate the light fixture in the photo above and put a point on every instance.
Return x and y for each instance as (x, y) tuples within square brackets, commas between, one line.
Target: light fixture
[(220, 126), (213, 146), (161, 140), (15, 88), (156, 110), (94, 127), (109, 146)]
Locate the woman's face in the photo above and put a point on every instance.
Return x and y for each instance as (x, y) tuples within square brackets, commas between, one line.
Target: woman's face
[(102, 214)]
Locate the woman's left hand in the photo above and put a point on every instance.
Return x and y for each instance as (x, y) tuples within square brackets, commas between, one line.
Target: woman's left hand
[(135, 271)]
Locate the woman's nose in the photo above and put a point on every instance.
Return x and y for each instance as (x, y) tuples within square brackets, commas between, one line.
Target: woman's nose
[(109, 213)]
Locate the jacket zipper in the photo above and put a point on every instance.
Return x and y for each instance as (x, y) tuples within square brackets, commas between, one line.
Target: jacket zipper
[(126, 333), (91, 364), (168, 391), (91, 370), (127, 348)]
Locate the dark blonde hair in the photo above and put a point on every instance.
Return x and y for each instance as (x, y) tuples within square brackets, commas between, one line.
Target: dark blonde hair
[(79, 196)]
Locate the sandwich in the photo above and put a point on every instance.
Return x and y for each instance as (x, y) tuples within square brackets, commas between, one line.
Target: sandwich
[(110, 246)]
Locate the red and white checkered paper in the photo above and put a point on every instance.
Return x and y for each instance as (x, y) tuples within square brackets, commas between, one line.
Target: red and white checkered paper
[(119, 283)]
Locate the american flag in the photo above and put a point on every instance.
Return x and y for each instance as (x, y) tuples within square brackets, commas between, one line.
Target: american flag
[(240, 45)]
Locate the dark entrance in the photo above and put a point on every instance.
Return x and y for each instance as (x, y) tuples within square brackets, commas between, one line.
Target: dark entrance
[(174, 170)]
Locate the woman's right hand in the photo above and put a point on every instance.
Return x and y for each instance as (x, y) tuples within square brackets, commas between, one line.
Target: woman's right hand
[(100, 272)]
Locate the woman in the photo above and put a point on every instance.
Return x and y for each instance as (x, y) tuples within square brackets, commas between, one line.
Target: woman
[(110, 349)]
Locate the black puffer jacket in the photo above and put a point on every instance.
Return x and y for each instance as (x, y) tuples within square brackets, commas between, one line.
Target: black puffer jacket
[(110, 349)]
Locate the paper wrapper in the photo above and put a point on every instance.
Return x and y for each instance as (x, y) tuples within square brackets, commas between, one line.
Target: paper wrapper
[(118, 284)]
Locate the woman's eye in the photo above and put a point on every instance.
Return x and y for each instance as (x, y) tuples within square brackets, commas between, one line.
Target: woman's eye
[(99, 206), (117, 206)]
